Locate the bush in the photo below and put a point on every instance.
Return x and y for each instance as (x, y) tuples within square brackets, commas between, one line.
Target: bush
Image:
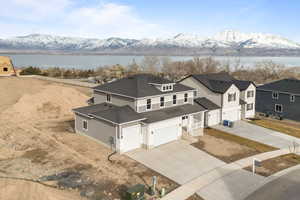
[(31, 71)]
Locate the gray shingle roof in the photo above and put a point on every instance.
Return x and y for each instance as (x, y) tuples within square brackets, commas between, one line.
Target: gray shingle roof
[(206, 103), (109, 112), (285, 85), (242, 102), (220, 82), (139, 86), (168, 113)]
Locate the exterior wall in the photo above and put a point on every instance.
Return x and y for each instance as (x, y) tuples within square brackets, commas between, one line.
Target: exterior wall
[(100, 97), (266, 104), (120, 134), (101, 131), (155, 101), (213, 117), (249, 100), (202, 91), (195, 127), (226, 103)]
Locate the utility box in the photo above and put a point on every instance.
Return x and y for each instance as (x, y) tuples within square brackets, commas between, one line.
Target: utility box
[(136, 192)]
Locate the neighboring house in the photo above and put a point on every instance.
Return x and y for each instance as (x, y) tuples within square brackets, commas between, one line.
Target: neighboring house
[(233, 99), (280, 98), (140, 111)]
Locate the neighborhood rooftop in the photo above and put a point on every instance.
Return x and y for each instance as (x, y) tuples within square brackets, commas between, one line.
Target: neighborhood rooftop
[(206, 103), (110, 112), (141, 85), (220, 82), (286, 85)]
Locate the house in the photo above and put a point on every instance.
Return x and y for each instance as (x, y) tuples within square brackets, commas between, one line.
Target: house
[(232, 99), (140, 111), (280, 98), (6, 66)]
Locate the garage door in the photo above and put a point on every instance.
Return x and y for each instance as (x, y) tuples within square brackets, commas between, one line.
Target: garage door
[(165, 135), (213, 118), (132, 138), (231, 115)]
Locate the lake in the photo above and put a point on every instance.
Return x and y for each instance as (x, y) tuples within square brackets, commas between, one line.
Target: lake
[(94, 61)]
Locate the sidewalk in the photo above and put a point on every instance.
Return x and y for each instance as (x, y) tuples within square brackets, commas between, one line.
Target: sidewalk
[(215, 184)]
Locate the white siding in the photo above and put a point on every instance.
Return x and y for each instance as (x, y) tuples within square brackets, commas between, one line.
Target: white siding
[(236, 103), (249, 100)]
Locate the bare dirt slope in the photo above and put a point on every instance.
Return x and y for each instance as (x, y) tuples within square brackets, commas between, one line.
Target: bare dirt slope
[(37, 139)]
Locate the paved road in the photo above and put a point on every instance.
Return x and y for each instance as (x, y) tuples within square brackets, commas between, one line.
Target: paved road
[(260, 134), (286, 187), (177, 160)]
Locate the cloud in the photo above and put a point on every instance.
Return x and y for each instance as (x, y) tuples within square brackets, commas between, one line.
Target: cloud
[(68, 18)]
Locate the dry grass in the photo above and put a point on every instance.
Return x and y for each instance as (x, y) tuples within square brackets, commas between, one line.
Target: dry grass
[(228, 147), (273, 165), (289, 128)]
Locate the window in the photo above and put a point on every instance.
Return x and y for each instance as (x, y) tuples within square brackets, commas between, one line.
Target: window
[(85, 125), (186, 97), (275, 95), (108, 98), (278, 108), (162, 101), (250, 94), (231, 97), (165, 88), (148, 104), (5, 69), (195, 94), (250, 106), (292, 98), (174, 99), (185, 117)]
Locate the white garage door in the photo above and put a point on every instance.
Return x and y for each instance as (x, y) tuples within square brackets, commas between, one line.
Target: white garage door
[(213, 118), (231, 115), (132, 138), (165, 135)]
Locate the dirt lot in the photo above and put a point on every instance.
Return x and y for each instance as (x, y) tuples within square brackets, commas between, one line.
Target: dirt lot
[(273, 165), (284, 126), (37, 140), (227, 147)]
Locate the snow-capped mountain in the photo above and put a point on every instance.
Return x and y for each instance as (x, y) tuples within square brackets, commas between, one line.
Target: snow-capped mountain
[(227, 39)]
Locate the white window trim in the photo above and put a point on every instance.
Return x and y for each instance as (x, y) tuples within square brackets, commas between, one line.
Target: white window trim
[(175, 99), (187, 97), (251, 92), (275, 93), (281, 108), (292, 99), (251, 107), (108, 95), (161, 102), (87, 125), (148, 104)]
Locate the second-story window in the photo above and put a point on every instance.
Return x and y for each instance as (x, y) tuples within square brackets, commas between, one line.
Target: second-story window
[(250, 94), (275, 95), (292, 98), (162, 101), (148, 104), (231, 97), (186, 97), (108, 98), (174, 99)]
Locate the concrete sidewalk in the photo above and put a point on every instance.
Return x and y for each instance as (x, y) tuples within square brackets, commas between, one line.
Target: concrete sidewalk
[(260, 134), (228, 182)]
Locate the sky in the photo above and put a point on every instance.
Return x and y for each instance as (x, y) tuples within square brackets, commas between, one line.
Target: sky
[(148, 18)]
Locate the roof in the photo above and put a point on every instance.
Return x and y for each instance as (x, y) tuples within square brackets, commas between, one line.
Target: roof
[(140, 85), (206, 103), (220, 82), (168, 113), (110, 112), (242, 102), (285, 85)]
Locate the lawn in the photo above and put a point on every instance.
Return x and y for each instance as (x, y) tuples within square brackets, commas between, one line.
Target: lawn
[(273, 165), (289, 128), (228, 147)]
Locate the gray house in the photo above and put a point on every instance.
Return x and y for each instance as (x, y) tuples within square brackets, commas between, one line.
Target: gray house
[(280, 98), (234, 99), (140, 111)]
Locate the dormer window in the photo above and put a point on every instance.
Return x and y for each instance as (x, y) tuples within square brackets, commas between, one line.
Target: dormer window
[(275, 95), (167, 87), (185, 97)]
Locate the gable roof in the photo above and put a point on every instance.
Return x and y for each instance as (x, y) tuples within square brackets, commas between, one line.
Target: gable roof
[(140, 85), (110, 112), (206, 103), (285, 85), (220, 82)]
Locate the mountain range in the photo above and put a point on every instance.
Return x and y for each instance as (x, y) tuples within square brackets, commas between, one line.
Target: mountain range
[(224, 43)]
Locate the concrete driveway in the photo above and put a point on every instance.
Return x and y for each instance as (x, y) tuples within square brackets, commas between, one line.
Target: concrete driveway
[(260, 134), (178, 161)]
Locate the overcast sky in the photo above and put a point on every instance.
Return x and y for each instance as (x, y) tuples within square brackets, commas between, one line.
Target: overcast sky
[(148, 18)]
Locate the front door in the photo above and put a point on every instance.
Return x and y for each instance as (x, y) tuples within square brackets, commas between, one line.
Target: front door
[(185, 121)]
